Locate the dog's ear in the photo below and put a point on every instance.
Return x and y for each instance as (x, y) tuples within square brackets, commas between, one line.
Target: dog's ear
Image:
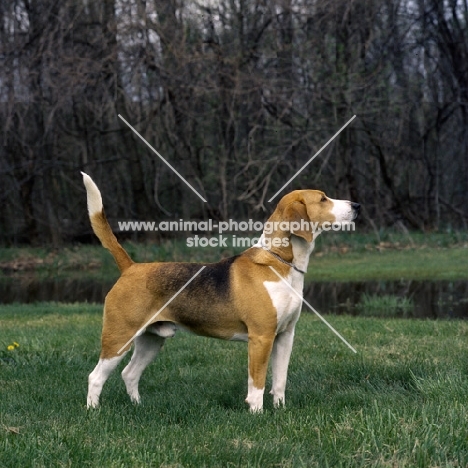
[(296, 212)]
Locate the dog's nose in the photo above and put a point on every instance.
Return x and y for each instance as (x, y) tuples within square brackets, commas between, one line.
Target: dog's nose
[(356, 207)]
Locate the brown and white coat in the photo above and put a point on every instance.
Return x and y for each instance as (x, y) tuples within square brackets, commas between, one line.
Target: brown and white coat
[(239, 298)]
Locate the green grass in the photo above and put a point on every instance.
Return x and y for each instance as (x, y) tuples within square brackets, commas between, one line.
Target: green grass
[(400, 402), (416, 264), (337, 256)]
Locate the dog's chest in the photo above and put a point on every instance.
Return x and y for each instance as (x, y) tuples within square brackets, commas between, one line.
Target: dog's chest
[(286, 296)]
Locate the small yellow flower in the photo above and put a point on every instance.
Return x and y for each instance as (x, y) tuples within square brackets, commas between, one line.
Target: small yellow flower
[(11, 348), (15, 344)]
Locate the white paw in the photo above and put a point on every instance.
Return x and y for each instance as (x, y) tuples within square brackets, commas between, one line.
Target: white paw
[(255, 399), (278, 402), (255, 410), (92, 402), (135, 397), (278, 399)]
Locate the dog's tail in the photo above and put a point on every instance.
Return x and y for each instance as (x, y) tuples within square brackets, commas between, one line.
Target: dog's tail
[(101, 226)]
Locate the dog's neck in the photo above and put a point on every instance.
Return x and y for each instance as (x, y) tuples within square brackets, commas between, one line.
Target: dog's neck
[(301, 251), (296, 253)]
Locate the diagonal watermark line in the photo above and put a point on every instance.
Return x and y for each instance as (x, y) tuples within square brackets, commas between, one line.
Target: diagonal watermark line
[(314, 311), (313, 157), (142, 329), (163, 160)]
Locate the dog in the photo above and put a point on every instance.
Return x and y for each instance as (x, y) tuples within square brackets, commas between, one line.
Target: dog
[(241, 298)]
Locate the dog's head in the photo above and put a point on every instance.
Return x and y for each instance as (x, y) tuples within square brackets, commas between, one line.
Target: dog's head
[(305, 212)]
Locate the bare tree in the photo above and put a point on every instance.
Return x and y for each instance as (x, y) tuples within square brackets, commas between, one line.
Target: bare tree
[(238, 96)]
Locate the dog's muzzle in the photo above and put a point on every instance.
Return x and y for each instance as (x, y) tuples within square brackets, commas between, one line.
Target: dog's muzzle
[(356, 207)]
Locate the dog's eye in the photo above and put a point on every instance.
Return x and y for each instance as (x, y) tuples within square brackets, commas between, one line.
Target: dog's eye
[(323, 199)]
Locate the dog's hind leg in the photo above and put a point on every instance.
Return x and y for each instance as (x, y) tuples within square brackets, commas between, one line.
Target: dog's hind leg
[(115, 343), (98, 377), (147, 346)]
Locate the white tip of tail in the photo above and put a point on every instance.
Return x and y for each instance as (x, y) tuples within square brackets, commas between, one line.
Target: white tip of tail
[(94, 195)]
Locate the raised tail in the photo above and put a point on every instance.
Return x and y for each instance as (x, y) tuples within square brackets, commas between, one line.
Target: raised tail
[(101, 226)]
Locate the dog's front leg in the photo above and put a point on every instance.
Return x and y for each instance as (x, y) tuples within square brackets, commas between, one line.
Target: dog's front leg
[(280, 355), (259, 353)]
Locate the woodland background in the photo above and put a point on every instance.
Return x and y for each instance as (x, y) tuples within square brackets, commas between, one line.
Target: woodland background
[(237, 95)]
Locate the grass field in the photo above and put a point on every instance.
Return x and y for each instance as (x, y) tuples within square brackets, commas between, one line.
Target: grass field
[(337, 257), (400, 402)]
